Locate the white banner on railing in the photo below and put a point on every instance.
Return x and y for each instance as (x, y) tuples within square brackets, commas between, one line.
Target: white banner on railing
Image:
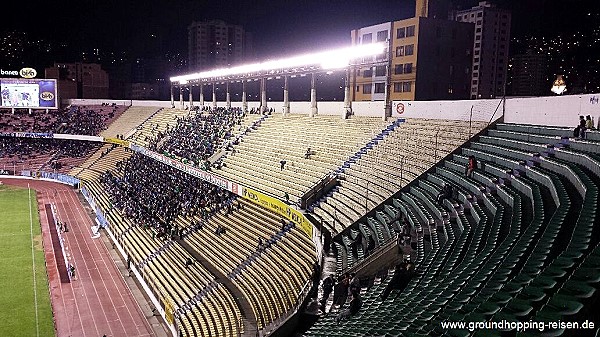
[(39, 135), (194, 171)]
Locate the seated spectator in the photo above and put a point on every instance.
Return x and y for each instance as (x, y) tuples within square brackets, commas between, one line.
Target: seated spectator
[(405, 235), (589, 123), (445, 193), (471, 166), (308, 153)]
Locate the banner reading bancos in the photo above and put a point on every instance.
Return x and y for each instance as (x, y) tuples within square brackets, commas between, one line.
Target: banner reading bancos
[(278, 207)]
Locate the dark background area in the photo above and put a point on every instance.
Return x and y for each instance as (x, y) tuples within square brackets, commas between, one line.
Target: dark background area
[(120, 32)]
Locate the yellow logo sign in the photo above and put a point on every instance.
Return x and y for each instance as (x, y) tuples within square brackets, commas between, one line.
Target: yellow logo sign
[(28, 73)]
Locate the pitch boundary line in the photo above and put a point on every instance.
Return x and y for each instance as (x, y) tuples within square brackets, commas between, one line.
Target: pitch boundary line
[(37, 323)]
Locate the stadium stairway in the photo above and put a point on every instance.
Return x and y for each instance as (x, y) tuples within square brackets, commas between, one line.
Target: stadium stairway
[(392, 159), (256, 159), (520, 244), (126, 124)]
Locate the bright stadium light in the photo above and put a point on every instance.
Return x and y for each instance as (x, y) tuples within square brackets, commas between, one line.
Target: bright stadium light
[(332, 59), (559, 86)]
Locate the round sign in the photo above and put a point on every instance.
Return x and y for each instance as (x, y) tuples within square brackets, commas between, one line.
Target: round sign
[(400, 108)]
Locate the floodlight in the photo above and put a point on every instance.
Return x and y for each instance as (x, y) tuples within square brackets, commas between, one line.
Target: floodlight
[(331, 59), (559, 86)]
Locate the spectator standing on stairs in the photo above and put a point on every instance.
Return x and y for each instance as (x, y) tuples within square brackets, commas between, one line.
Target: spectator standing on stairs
[(327, 289), (354, 286), (353, 309), (282, 163), (582, 125)]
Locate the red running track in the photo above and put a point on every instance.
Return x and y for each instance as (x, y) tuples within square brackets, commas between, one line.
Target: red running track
[(98, 301)]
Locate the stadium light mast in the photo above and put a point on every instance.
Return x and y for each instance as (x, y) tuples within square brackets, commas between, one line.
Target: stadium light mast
[(286, 96), (347, 102)]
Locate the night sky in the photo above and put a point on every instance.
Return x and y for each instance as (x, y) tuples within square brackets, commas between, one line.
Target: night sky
[(279, 26), (155, 32)]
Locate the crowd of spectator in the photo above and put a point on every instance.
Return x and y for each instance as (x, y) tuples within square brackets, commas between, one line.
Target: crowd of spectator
[(49, 154), (196, 137), (52, 154), (153, 194), (74, 119)]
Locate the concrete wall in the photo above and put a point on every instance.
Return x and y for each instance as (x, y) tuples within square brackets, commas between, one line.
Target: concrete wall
[(483, 110), (551, 110)]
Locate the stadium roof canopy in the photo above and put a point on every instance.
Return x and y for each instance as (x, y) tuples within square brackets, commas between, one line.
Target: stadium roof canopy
[(297, 65)]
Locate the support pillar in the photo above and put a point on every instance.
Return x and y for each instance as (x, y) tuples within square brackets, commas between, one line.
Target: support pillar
[(172, 97), (201, 96), (286, 97), (388, 81), (214, 97), (191, 98), (347, 110), (244, 102), (263, 95), (313, 97), (228, 98), (181, 98)]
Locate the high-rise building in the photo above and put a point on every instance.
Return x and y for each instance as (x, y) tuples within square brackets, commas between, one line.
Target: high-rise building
[(79, 80), (490, 48), (529, 74), (427, 58), (215, 43)]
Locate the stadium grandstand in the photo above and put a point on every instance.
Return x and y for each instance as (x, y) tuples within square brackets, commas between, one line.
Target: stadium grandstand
[(449, 218)]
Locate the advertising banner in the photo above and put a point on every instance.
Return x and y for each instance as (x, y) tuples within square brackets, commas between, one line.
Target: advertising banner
[(116, 141), (278, 207), (28, 93), (26, 134)]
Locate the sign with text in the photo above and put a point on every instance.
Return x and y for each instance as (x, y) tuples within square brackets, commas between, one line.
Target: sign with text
[(29, 93), (278, 207)]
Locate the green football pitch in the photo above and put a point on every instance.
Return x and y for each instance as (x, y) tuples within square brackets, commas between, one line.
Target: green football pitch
[(24, 297)]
